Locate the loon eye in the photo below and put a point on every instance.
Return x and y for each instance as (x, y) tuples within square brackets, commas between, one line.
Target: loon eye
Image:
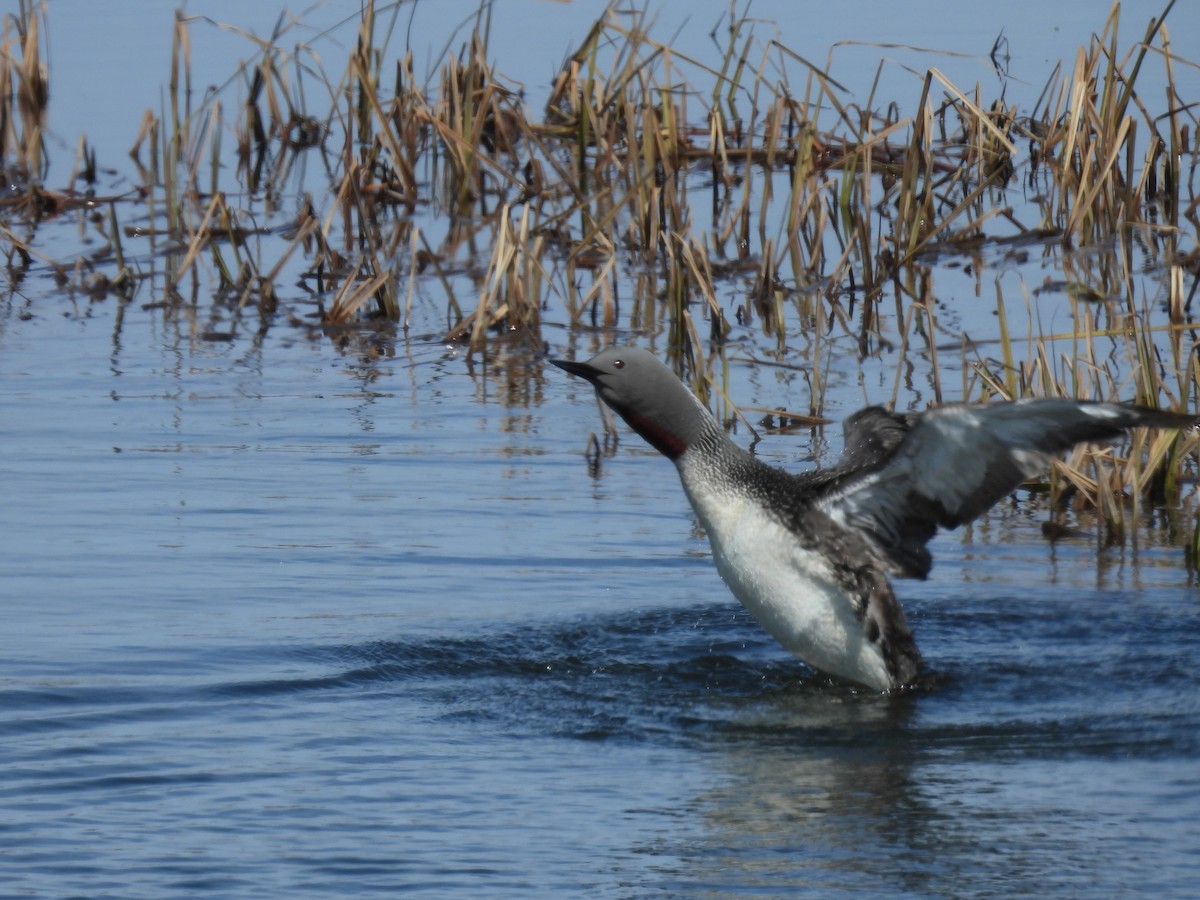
[(618, 363)]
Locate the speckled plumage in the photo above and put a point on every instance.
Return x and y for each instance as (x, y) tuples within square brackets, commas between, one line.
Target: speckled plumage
[(809, 554)]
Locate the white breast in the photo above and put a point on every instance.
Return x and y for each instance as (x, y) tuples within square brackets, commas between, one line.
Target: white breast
[(788, 588)]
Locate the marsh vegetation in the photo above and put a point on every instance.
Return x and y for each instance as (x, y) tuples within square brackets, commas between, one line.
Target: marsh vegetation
[(738, 210)]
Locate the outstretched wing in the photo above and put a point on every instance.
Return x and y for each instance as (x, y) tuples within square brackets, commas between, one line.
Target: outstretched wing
[(956, 461), (871, 435)]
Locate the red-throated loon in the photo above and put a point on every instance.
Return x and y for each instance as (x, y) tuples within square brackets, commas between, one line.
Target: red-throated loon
[(810, 555)]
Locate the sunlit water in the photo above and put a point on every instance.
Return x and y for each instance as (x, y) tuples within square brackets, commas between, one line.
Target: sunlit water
[(282, 619), (284, 622)]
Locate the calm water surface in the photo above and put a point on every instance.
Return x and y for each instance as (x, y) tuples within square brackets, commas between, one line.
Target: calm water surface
[(287, 619), (281, 621)]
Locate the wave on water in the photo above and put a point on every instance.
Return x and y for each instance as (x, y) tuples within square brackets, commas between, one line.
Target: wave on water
[(1012, 676), (655, 674)]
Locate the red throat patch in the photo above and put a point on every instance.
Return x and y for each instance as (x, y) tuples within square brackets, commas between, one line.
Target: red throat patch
[(669, 445)]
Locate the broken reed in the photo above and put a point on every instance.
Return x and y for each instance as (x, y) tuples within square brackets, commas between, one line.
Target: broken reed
[(636, 201), (619, 112), (605, 182), (24, 93)]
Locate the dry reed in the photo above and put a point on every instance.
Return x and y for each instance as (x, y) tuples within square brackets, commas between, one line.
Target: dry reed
[(753, 211)]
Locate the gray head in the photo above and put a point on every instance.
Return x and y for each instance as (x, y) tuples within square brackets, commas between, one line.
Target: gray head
[(647, 395)]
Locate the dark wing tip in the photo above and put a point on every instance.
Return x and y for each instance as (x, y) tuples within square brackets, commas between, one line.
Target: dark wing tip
[(1148, 417)]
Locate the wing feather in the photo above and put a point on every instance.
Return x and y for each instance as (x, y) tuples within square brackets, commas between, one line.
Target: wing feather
[(954, 462)]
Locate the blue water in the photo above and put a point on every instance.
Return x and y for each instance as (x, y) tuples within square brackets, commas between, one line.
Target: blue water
[(295, 623), (297, 614)]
